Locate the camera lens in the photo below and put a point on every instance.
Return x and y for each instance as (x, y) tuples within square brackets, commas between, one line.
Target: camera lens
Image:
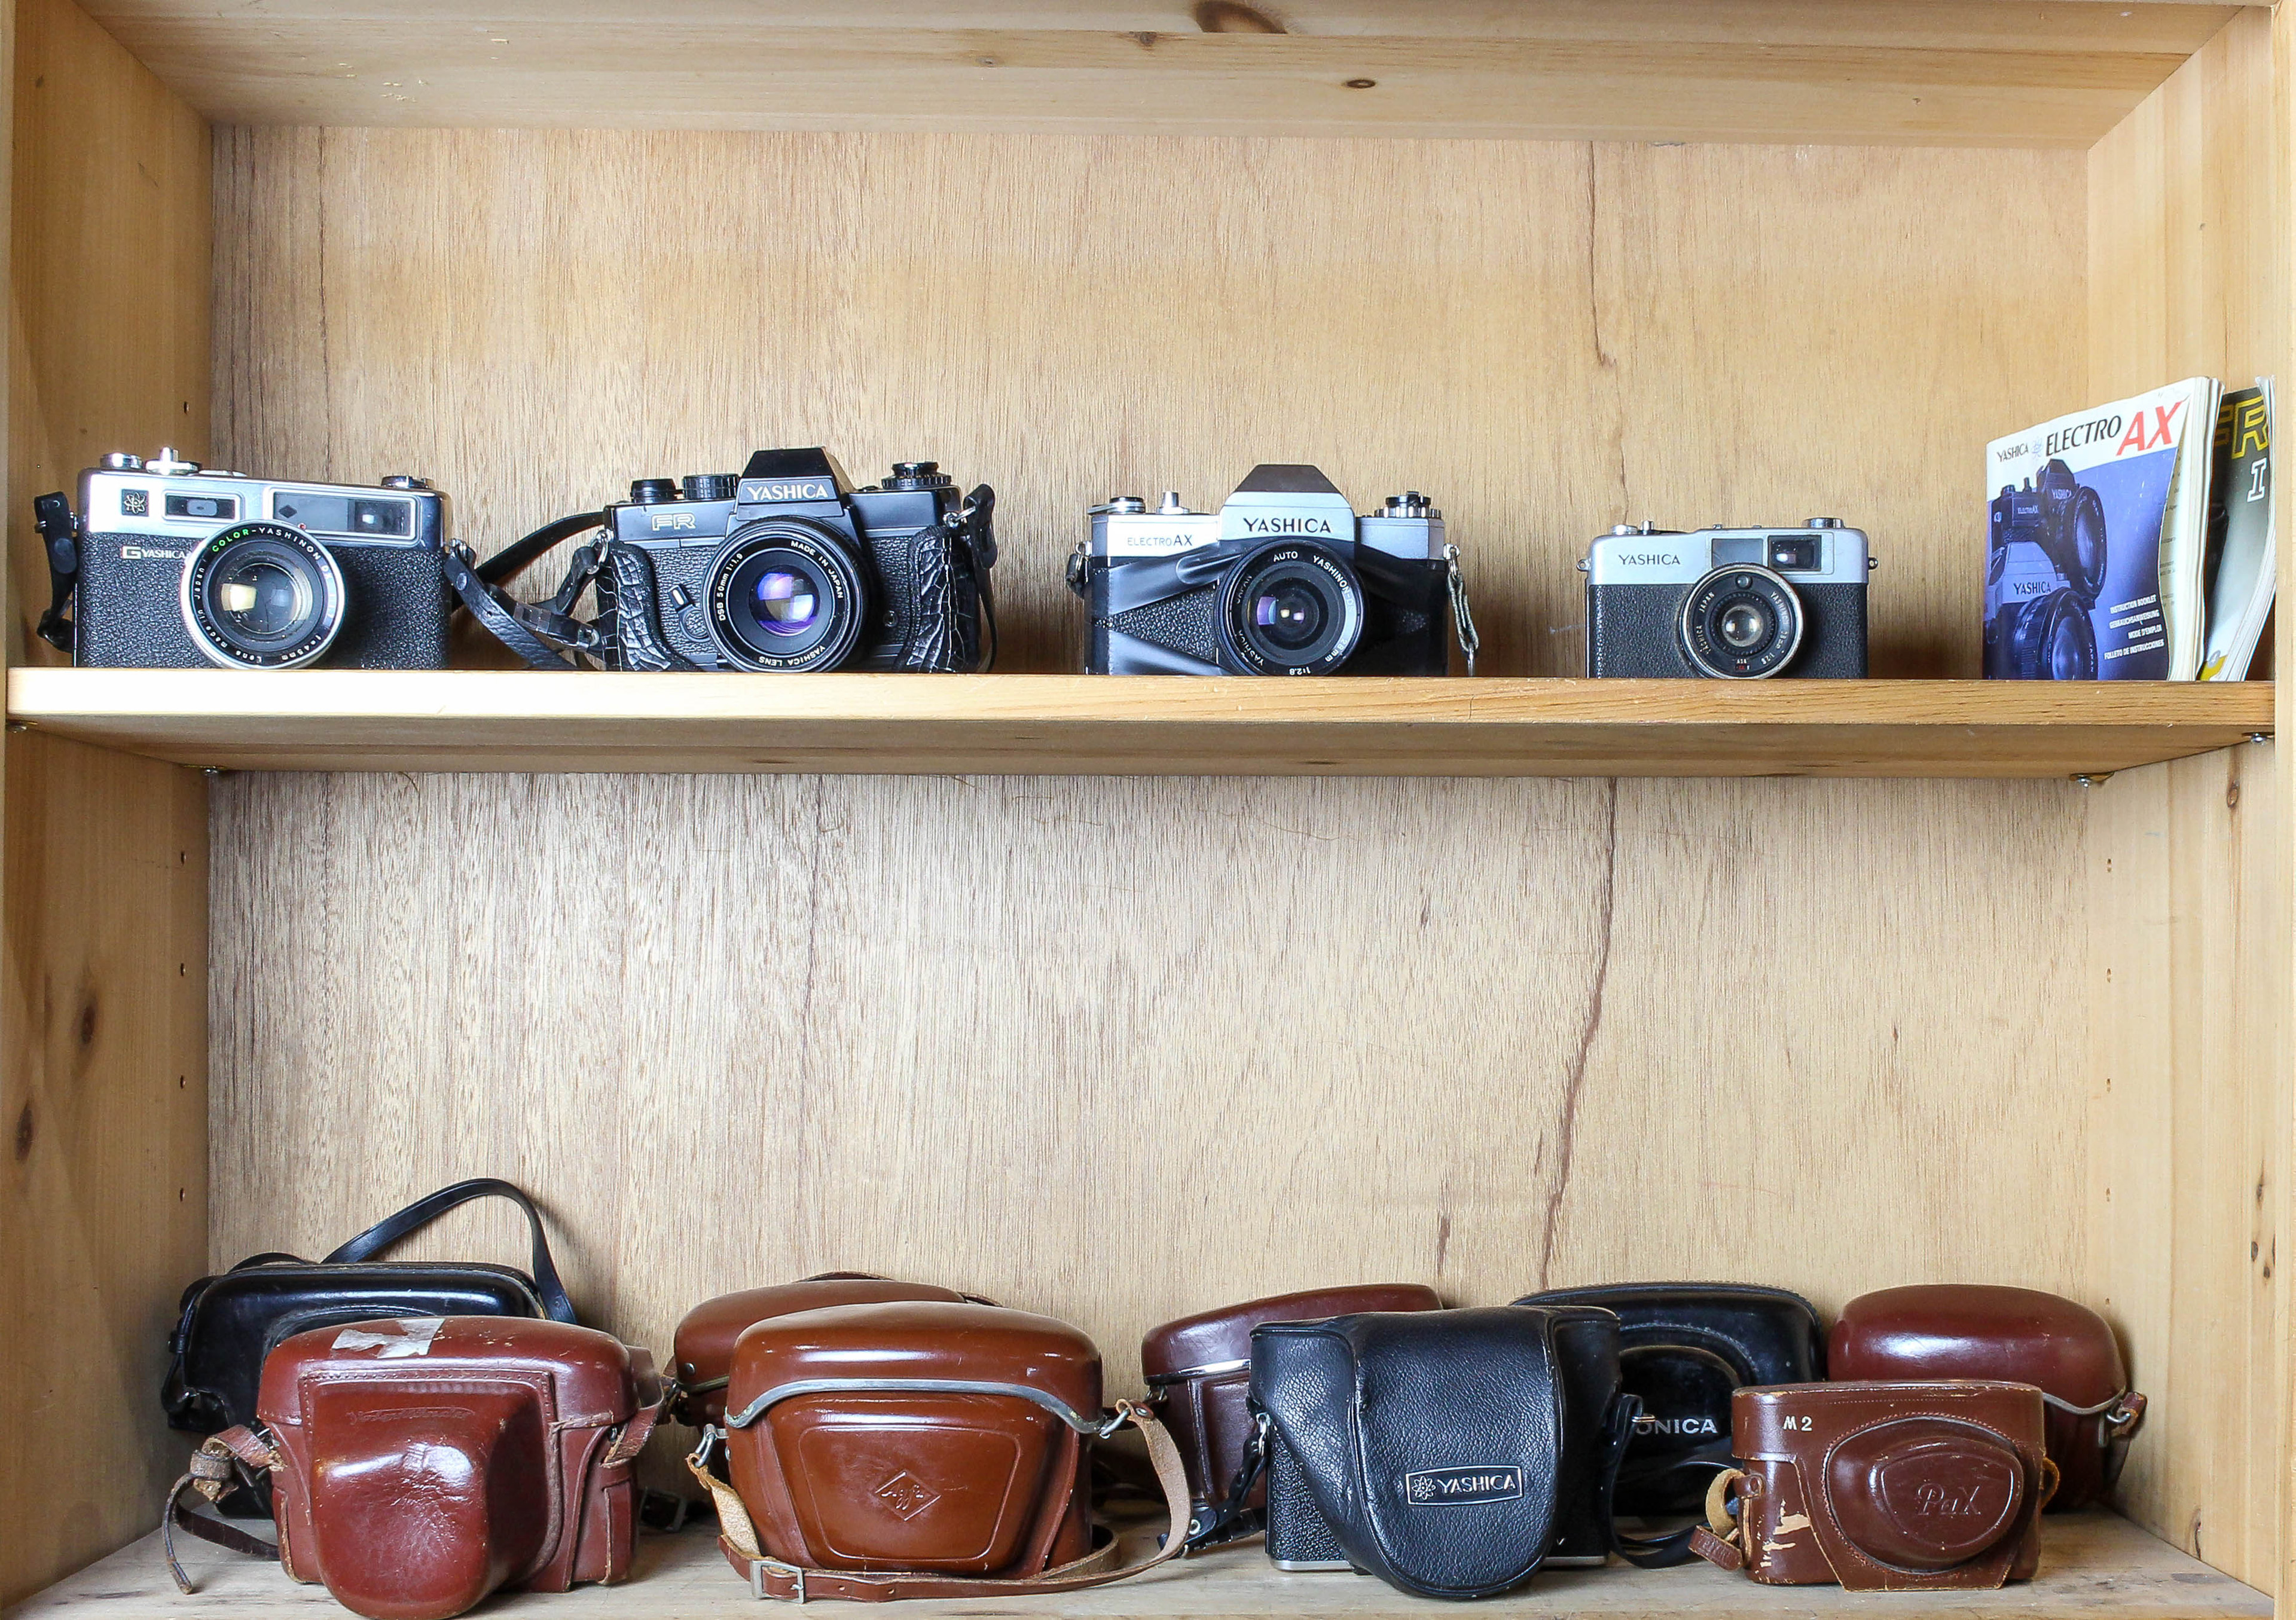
[(785, 595), (263, 596), (1291, 608), (1740, 624)]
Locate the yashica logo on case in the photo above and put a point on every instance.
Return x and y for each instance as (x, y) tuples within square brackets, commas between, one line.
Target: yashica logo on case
[(1458, 1488)]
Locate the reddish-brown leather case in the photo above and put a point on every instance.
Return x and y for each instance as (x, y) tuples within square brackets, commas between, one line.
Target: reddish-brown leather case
[(1887, 1487), (844, 1463), (422, 1463), (1198, 1371), (703, 1351), (1963, 1331)]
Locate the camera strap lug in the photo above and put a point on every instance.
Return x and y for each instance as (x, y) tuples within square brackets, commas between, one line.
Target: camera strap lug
[(60, 537), (1463, 617), (1229, 1519)]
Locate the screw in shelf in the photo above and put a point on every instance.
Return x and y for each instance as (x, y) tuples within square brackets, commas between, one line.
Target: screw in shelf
[(2260, 736), (2092, 779)]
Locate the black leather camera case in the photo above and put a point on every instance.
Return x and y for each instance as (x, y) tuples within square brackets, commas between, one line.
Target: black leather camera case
[(1684, 1348), (1449, 1452)]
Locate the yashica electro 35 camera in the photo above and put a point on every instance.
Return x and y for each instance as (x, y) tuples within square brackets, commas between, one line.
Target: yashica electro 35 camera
[(786, 567), (176, 567), (1733, 604), (1284, 579)]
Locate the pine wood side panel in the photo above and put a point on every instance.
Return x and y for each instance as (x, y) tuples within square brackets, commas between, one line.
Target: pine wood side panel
[(2189, 899), (1549, 338), (104, 1173), (111, 279), (1923, 72), (1123, 1048)]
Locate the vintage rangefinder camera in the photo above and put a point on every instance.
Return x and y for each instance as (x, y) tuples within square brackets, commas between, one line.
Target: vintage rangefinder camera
[(786, 567), (1734, 604), (1284, 579), (172, 566), (2045, 570)]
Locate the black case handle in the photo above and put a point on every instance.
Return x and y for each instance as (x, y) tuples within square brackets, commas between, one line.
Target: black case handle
[(420, 1213)]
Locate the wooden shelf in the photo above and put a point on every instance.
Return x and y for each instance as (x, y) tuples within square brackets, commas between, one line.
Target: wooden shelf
[(2094, 1566), (487, 720), (1919, 72)]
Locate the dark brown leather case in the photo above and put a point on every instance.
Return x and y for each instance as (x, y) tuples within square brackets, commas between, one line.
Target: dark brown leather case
[(845, 1464), (1964, 1330), (1889, 1488), (1198, 1371), (703, 1351), (425, 1462)]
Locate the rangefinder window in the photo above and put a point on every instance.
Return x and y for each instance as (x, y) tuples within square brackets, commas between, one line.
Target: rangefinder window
[(363, 516)]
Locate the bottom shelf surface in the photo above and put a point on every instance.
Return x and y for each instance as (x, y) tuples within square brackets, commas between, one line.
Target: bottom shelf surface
[(2092, 1564)]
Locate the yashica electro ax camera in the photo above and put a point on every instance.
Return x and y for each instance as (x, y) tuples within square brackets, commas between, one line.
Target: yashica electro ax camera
[(177, 567), (1284, 579), (786, 567), (1733, 604)]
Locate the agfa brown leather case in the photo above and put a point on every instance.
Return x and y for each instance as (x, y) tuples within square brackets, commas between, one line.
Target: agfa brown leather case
[(702, 1354), (1199, 1372), (1886, 1487), (420, 1463), (1963, 1331), (915, 1435)]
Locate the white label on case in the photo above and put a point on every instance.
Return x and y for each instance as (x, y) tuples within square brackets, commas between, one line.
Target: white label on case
[(413, 1339)]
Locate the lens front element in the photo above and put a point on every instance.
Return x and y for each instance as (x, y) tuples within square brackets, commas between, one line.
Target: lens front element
[(263, 596), (1740, 624), (1291, 608)]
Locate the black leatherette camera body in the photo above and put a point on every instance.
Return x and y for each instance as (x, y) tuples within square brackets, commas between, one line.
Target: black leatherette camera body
[(1684, 1349)]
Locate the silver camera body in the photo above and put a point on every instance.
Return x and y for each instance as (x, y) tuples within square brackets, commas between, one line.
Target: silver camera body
[(1733, 604)]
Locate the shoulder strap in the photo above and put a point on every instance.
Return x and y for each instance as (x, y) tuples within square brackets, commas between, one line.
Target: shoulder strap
[(1646, 1552), (769, 1578), (212, 1471), (420, 1213)]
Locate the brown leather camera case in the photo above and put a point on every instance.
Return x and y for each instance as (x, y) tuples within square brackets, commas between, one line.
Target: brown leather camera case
[(1198, 1371), (419, 1464), (1963, 1331), (704, 1352), (1885, 1487)]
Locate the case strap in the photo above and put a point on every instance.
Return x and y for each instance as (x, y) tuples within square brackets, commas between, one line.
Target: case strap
[(213, 1472), (420, 1213), (770, 1577), (1646, 1552)]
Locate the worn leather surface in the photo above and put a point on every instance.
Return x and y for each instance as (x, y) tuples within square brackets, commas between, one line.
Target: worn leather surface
[(1967, 1330), (425, 1462), (1445, 1449), (703, 1350), (1891, 1487), (987, 1484), (1204, 1410), (1684, 1348)]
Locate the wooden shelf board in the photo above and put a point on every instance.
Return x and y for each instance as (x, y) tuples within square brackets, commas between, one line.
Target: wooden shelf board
[(2093, 1566), (1919, 72), (1067, 725)]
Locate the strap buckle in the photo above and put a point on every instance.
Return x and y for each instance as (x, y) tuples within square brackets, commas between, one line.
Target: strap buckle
[(1463, 617)]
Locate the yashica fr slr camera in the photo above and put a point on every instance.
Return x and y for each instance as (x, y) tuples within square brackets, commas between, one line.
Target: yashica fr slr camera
[(175, 566), (787, 569), (2043, 575), (1733, 604), (1284, 579)]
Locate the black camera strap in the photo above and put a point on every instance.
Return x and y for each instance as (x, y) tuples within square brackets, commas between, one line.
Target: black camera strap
[(59, 529), (546, 634)]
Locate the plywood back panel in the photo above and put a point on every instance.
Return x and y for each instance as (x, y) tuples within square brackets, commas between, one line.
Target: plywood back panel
[(2189, 869), (1549, 338), (1124, 1049)]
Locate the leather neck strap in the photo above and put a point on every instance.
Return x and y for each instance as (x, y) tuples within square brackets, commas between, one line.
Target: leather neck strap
[(770, 1577), (420, 1213)]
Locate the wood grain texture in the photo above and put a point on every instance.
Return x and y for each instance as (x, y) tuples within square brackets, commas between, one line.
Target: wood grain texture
[(1923, 72), (2094, 1566), (103, 1140), (111, 285), (1550, 338), (1124, 1049), (2190, 904), (490, 720)]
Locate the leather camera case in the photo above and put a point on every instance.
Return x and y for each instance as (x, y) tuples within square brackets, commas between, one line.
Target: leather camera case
[(1964, 1330), (1684, 1349), (1199, 1373), (843, 1462), (1887, 1487), (1451, 1453), (702, 1356), (420, 1464)]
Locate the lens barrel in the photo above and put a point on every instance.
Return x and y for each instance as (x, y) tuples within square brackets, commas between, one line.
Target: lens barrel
[(786, 596), (1291, 607), (1740, 624), (263, 596)]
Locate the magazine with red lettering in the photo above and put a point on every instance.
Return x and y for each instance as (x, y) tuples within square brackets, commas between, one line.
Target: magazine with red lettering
[(2098, 532)]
